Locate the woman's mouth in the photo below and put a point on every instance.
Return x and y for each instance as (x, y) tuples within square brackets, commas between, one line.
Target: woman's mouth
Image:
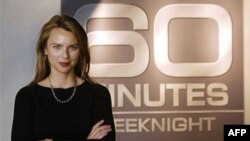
[(64, 64)]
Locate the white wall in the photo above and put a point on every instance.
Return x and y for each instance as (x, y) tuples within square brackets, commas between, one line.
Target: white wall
[(20, 23), (247, 60)]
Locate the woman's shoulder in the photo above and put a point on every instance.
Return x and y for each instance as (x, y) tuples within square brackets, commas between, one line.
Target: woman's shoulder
[(99, 91), (100, 94), (27, 88), (25, 91), (96, 86)]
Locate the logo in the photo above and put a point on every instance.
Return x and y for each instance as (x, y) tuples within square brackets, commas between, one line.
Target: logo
[(180, 60)]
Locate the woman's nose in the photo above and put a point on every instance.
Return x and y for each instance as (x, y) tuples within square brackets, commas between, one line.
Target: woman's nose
[(65, 53)]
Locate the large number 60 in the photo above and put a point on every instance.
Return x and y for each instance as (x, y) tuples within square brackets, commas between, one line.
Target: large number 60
[(140, 46)]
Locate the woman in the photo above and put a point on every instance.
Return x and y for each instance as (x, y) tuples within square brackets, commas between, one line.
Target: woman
[(62, 103)]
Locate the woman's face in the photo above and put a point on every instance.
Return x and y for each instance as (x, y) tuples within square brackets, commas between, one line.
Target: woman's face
[(62, 50)]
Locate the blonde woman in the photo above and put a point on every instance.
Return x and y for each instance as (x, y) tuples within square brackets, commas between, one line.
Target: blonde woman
[(62, 103)]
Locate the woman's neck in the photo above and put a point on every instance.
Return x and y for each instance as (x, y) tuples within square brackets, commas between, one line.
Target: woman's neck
[(62, 81)]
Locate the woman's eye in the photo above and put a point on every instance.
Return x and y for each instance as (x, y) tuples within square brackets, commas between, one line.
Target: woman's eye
[(73, 47), (56, 46)]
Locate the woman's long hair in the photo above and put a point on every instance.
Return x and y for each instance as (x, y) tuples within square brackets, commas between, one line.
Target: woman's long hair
[(42, 69)]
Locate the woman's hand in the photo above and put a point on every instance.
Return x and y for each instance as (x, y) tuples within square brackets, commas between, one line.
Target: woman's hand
[(99, 131)]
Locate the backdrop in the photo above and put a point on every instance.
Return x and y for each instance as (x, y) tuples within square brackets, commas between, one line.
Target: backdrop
[(175, 69)]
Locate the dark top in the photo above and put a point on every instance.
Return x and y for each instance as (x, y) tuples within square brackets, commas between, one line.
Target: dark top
[(37, 115)]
